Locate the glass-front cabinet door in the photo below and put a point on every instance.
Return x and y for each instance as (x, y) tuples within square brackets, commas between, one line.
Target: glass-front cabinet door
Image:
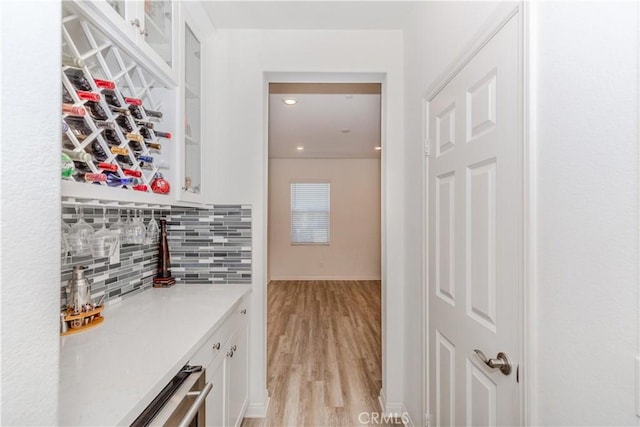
[(192, 113), (158, 28)]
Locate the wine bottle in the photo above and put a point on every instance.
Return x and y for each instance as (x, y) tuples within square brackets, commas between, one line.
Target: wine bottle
[(68, 168), (89, 96), (134, 137), (135, 112), (131, 172), (77, 78), (166, 135), (140, 187), (111, 137), (125, 161), (145, 133), (119, 110), (78, 127), (107, 167), (145, 159), (95, 177), (154, 146), (72, 61), (151, 113), (65, 127), (144, 123), (104, 84), (98, 151), (96, 111), (132, 101), (104, 124), (124, 123), (114, 180), (73, 110), (81, 156), (65, 96), (111, 98), (119, 150)]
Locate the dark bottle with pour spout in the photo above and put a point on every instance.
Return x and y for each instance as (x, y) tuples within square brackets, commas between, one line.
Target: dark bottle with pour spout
[(163, 279)]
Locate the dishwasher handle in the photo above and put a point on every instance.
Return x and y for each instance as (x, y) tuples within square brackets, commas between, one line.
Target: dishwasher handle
[(195, 407)]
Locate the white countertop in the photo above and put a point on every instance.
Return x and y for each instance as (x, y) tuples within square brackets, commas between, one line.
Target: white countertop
[(109, 374)]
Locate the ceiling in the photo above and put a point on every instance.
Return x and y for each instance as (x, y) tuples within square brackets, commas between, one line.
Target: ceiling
[(326, 125), (309, 15)]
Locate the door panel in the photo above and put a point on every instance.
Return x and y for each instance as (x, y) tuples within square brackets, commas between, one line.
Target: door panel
[(475, 178)]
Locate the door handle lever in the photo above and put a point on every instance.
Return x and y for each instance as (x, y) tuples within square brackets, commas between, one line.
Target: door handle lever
[(501, 361)]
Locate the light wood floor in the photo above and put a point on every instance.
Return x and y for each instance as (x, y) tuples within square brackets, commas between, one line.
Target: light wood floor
[(323, 353)]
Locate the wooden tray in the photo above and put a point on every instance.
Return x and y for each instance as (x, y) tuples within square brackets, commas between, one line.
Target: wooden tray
[(83, 320)]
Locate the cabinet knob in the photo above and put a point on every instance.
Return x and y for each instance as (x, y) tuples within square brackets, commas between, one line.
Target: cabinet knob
[(216, 346), (144, 32), (243, 311), (234, 348), (135, 22), (230, 353)]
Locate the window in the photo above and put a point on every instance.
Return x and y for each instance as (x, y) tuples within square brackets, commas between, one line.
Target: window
[(310, 212)]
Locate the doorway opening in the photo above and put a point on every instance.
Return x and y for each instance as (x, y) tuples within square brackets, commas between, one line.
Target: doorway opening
[(324, 252)]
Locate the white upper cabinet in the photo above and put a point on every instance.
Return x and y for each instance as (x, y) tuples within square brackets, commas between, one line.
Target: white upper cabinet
[(195, 146), (152, 25)]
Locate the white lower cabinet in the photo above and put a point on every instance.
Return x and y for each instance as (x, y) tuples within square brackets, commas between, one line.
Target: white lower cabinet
[(225, 356), (236, 372)]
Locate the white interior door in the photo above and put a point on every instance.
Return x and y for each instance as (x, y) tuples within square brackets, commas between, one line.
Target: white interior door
[(475, 178)]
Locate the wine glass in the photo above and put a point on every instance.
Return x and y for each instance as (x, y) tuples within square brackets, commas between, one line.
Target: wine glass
[(64, 242), (138, 229), (153, 230), (118, 228), (104, 242), (80, 235), (127, 232)]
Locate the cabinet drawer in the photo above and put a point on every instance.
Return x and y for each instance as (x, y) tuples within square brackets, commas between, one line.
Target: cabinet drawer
[(215, 344)]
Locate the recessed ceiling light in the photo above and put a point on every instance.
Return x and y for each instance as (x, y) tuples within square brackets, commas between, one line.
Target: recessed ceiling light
[(378, 148), (300, 148), (290, 100)]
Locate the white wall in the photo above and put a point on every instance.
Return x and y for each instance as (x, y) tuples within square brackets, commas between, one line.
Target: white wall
[(30, 211), (587, 79), (245, 59), (354, 249), (435, 36)]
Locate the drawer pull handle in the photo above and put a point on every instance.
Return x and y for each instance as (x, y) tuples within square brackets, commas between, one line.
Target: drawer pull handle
[(234, 348), (243, 311), (216, 346), (230, 353)]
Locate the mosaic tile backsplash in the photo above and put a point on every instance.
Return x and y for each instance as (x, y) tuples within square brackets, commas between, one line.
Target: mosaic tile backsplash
[(210, 246), (206, 245)]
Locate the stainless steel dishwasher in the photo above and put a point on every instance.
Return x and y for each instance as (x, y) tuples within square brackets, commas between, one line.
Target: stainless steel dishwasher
[(180, 403)]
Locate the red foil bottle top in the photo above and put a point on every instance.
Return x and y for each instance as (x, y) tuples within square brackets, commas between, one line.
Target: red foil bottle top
[(95, 177), (104, 84), (89, 96), (131, 172), (133, 101), (140, 187), (108, 167)]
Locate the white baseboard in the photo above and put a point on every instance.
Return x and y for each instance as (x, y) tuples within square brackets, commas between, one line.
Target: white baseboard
[(257, 410), (394, 409), (337, 278)]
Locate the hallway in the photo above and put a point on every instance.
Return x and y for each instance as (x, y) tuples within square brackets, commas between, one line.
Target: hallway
[(324, 353)]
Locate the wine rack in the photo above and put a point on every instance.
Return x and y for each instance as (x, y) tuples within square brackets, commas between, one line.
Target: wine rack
[(112, 109)]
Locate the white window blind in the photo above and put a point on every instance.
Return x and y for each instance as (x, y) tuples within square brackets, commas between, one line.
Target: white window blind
[(310, 212)]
